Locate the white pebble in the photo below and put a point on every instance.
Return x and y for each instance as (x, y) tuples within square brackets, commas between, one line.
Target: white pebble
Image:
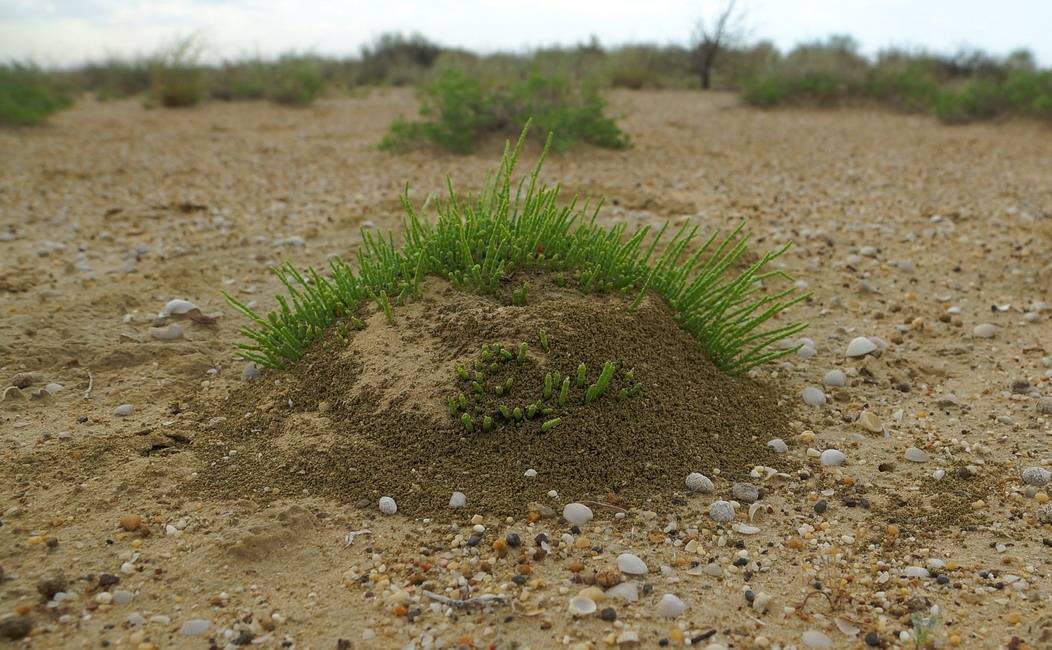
[(577, 513), (836, 378), (814, 396), (530, 473), (985, 330), (250, 371), (388, 506), (1036, 476), (832, 458), (915, 572), (177, 307), (697, 482), (124, 410), (631, 564), (816, 639), (806, 352), (458, 500), (670, 606), (778, 445), (122, 597), (916, 455), (195, 627), (860, 347), (938, 474), (722, 511)]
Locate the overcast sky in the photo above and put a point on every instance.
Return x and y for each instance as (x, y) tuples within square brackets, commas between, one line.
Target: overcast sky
[(72, 31)]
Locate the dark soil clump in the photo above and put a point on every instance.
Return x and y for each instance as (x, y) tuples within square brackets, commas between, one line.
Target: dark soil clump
[(369, 415)]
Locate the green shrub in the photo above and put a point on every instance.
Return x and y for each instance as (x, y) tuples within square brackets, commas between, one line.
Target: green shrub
[(116, 78), (772, 89), (457, 110), (28, 95), (176, 77), (397, 60), (295, 80), (245, 80)]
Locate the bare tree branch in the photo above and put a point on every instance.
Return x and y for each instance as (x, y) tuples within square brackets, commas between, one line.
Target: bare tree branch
[(709, 41)]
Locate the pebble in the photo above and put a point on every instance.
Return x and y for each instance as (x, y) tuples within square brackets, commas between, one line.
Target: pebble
[(195, 627), (1044, 406), (626, 591), (832, 458), (745, 492), (860, 347), (15, 628), (985, 330), (670, 606), (122, 597), (916, 455), (816, 639), (582, 606), (814, 396), (173, 331), (250, 372), (577, 513), (778, 445), (697, 482), (530, 473), (458, 500), (608, 614), (631, 564), (836, 378), (123, 410), (388, 506), (1036, 476), (130, 522), (722, 511), (915, 572)]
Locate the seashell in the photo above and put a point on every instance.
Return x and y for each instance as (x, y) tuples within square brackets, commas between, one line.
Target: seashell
[(860, 347), (746, 529), (582, 606), (869, 421), (846, 626), (697, 482), (916, 455), (631, 564), (670, 606), (577, 513), (388, 506), (173, 331), (832, 458), (626, 591), (458, 500), (12, 393), (53, 388), (757, 509), (177, 307)]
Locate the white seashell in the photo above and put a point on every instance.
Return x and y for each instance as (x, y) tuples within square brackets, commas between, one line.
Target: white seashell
[(915, 572), (458, 500), (869, 421), (757, 509), (177, 307), (760, 603), (582, 606), (916, 455), (836, 378), (670, 606), (124, 410), (577, 513), (631, 564), (388, 506), (816, 639), (813, 396), (846, 627), (626, 591), (53, 388), (860, 347), (832, 458), (746, 529), (722, 511), (697, 482), (778, 445), (985, 330), (173, 331), (530, 473)]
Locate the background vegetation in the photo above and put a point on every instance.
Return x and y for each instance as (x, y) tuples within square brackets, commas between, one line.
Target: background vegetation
[(561, 86)]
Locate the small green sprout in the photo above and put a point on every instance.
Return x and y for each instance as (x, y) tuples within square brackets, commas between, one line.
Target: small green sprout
[(596, 390), (622, 395), (517, 413), (523, 349), (548, 387), (498, 390), (487, 423), (494, 367), (462, 372), (557, 378), (468, 423), (451, 403), (477, 386), (630, 375), (550, 424), (462, 402), (505, 412), (544, 340), (582, 375), (518, 297), (385, 304), (531, 411), (564, 392), (508, 383)]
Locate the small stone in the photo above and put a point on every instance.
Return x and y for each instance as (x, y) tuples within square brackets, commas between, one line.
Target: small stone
[(1044, 514), (131, 522), (985, 330), (530, 473), (745, 492), (458, 500), (860, 347), (22, 380), (1036, 476), (195, 627), (915, 572), (916, 455), (816, 639), (832, 458), (388, 506), (722, 511), (123, 410), (820, 506), (1044, 406), (697, 482), (814, 396), (631, 564), (582, 606), (51, 585), (670, 606), (250, 372), (778, 445), (15, 628), (577, 514), (608, 614), (836, 378), (122, 597)]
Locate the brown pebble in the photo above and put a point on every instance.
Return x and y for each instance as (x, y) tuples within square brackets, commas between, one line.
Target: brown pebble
[(131, 522)]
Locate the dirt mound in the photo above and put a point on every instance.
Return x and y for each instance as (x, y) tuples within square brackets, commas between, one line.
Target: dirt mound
[(381, 411)]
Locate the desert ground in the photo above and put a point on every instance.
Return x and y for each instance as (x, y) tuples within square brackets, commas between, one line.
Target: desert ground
[(120, 531)]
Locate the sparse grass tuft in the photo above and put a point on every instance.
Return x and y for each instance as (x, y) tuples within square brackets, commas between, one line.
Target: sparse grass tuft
[(28, 96), (177, 78), (479, 241)]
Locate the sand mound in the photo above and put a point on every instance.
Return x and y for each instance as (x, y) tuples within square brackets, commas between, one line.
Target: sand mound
[(368, 414)]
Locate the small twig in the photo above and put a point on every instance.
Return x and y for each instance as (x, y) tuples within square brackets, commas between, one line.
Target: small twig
[(91, 384), (477, 601)]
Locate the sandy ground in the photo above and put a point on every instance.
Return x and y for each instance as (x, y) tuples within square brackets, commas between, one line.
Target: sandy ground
[(905, 230)]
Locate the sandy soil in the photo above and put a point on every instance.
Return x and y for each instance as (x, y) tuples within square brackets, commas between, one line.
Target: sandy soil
[(905, 230)]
